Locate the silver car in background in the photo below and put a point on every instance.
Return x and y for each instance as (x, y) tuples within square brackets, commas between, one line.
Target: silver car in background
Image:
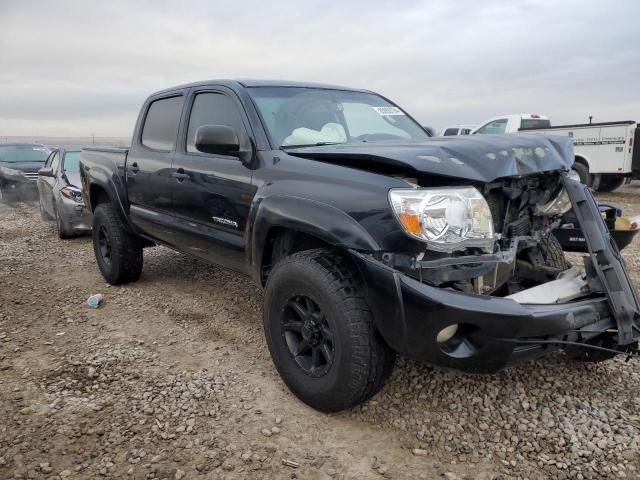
[(60, 194)]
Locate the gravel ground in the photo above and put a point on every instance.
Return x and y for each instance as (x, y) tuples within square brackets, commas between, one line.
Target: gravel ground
[(170, 378)]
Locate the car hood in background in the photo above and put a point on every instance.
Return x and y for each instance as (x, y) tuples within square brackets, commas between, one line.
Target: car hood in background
[(26, 167), (476, 157), (73, 178)]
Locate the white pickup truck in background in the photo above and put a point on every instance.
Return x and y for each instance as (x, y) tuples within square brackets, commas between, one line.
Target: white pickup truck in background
[(607, 154)]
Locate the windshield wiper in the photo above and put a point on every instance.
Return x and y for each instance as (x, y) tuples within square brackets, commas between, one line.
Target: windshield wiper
[(317, 144)]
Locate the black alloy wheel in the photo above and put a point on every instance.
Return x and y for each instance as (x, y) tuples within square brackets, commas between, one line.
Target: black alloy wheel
[(104, 245), (308, 335)]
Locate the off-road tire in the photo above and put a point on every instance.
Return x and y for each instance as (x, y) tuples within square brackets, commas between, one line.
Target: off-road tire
[(362, 361), (125, 256), (62, 231), (589, 355), (552, 253), (583, 172)]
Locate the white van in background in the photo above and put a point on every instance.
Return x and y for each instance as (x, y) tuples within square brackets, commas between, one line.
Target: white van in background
[(607, 154)]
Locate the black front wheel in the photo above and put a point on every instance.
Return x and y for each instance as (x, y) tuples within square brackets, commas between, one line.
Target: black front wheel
[(320, 331), (118, 253)]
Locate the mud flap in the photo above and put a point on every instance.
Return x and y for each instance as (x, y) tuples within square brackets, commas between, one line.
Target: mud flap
[(606, 262)]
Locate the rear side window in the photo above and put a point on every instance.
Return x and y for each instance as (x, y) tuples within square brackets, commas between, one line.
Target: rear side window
[(213, 109), (497, 126), (526, 124), (161, 124), (450, 131)]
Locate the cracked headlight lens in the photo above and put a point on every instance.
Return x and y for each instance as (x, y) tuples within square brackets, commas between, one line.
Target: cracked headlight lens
[(446, 219), (72, 193)]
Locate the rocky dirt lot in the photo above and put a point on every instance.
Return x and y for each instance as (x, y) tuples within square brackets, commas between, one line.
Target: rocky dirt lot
[(171, 379)]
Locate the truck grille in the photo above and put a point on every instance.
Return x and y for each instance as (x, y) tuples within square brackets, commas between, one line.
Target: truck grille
[(31, 175)]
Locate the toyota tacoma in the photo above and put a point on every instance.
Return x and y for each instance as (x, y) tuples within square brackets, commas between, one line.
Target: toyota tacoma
[(369, 237)]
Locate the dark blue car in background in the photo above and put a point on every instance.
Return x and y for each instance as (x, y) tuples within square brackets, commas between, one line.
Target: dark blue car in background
[(19, 165)]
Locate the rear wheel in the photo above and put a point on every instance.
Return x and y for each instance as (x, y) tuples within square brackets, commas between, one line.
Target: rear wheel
[(611, 183), (118, 253), (583, 173), (320, 331)]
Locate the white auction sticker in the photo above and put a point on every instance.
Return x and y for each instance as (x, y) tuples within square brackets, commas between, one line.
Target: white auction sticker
[(384, 111)]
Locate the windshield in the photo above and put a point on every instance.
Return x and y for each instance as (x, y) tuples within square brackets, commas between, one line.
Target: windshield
[(71, 162), (295, 116), (23, 153)]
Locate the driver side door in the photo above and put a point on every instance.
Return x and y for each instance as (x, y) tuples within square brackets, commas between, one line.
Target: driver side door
[(212, 193)]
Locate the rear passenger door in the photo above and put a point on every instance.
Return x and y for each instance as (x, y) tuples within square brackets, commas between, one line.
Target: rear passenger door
[(148, 167), (212, 193)]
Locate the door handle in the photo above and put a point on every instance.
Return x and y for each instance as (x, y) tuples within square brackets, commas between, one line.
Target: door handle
[(180, 175), (134, 168)]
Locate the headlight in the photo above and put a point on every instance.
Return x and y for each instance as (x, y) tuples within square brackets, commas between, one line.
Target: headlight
[(446, 219), (561, 203), (10, 171), (72, 193), (558, 206)]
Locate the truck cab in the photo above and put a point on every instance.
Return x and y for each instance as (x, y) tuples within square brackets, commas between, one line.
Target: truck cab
[(513, 123)]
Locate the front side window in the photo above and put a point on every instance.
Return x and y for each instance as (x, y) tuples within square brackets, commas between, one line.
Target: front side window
[(161, 124), (23, 153), (496, 126), (300, 116), (213, 109), (71, 162), (465, 131)]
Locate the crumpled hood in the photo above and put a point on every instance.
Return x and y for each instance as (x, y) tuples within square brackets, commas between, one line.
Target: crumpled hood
[(475, 157)]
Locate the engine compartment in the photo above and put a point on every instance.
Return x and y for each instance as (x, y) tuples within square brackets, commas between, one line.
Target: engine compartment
[(526, 253)]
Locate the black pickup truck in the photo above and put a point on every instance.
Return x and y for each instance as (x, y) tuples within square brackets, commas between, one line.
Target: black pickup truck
[(368, 236)]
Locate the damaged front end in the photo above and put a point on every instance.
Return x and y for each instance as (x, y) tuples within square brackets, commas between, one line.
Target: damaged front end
[(505, 291)]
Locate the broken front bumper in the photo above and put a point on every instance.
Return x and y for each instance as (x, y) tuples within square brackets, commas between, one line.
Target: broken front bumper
[(494, 332), (75, 216)]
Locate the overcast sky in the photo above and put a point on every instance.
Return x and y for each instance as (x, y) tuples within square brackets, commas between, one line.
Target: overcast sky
[(76, 68)]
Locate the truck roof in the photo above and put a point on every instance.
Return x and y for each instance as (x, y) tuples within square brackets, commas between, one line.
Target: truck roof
[(235, 84)]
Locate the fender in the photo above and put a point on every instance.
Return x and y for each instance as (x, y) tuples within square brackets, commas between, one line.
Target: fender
[(113, 186), (583, 158), (317, 219)]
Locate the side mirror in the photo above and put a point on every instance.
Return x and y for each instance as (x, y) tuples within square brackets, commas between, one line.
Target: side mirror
[(429, 130), (46, 172), (218, 139)]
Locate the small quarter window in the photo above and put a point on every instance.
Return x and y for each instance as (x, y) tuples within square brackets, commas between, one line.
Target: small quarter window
[(450, 132), (161, 124)]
